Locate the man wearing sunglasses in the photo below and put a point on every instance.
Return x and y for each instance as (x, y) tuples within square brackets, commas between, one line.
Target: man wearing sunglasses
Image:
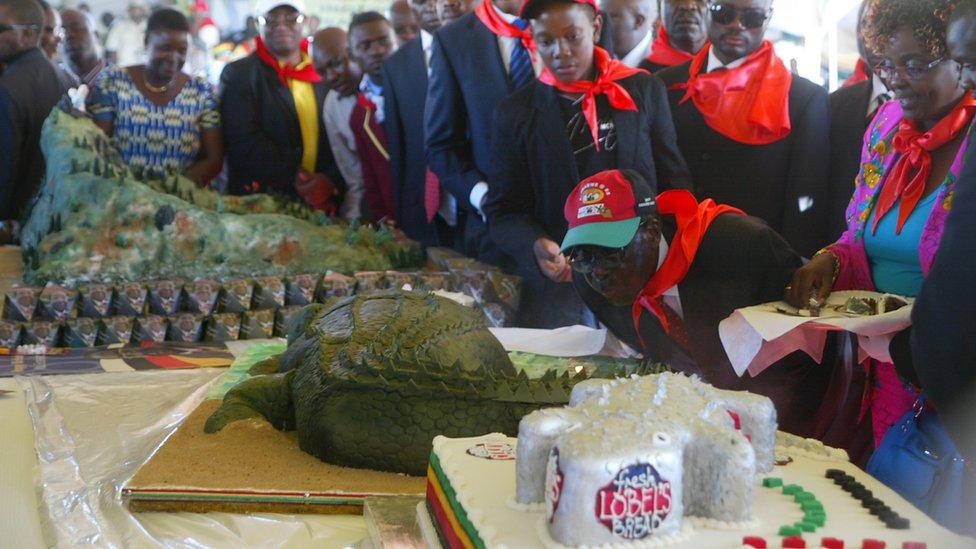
[(29, 88), (682, 34), (270, 107), (662, 272), (754, 135)]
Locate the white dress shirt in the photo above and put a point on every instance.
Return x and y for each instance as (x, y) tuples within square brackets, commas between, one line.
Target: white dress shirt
[(715, 63), (879, 94), (670, 296), (506, 45), (335, 114), (640, 51)]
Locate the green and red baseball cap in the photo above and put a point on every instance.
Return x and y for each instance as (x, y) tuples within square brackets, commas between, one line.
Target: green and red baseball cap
[(605, 209), (532, 8)]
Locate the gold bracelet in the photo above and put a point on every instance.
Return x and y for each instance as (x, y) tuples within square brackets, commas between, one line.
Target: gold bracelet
[(834, 259)]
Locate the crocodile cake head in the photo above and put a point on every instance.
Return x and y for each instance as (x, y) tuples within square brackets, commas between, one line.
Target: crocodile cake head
[(368, 381)]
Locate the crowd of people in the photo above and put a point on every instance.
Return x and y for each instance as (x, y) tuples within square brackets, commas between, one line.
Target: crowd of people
[(647, 165)]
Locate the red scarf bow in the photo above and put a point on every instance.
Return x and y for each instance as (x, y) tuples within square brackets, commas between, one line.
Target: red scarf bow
[(693, 219), (286, 71), (663, 53), (750, 103), (486, 14), (910, 173), (609, 71), (861, 73)]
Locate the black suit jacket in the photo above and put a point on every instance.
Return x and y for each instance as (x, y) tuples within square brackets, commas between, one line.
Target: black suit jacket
[(741, 262), (404, 94), (944, 334), (29, 87), (261, 131), (468, 80), (651, 67), (766, 181), (848, 122), (533, 169)]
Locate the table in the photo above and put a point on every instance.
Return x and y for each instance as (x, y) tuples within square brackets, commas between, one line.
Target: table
[(20, 520)]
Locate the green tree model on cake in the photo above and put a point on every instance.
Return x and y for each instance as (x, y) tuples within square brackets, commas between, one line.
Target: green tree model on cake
[(95, 220)]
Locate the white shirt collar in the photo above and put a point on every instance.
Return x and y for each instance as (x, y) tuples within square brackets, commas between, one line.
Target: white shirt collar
[(507, 17), (877, 87), (639, 52), (426, 40), (662, 254), (714, 62)]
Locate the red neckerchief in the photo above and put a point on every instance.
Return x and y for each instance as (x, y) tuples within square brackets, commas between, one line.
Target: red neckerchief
[(663, 53), (305, 74), (750, 103), (486, 14), (861, 73), (608, 72), (693, 219), (910, 173)]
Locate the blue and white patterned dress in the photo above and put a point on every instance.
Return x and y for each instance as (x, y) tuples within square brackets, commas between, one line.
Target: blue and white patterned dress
[(153, 138)]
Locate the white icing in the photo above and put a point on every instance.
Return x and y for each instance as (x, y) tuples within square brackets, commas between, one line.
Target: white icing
[(666, 540), (676, 428), (486, 487)]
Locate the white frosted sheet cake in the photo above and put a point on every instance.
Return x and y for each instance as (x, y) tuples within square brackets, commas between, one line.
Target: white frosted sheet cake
[(485, 492)]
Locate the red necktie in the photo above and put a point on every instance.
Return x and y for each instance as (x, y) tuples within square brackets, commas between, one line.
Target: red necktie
[(678, 332), (432, 195)]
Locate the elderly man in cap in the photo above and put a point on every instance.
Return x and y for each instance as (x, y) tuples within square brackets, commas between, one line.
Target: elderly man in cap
[(662, 272), (125, 44), (271, 104)]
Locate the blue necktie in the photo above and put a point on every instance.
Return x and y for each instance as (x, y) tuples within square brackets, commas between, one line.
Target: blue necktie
[(520, 69)]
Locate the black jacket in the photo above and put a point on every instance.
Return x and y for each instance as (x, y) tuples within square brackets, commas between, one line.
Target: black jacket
[(261, 131), (467, 81), (29, 87), (533, 169), (741, 262), (766, 181), (404, 94), (848, 122), (944, 335)]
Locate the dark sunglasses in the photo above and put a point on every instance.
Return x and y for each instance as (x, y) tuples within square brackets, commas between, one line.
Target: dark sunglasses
[(751, 18), (5, 28), (584, 261)]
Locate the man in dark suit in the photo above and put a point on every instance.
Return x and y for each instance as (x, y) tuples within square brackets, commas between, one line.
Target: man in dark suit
[(761, 144), (471, 73), (423, 213), (543, 145), (270, 108), (852, 108), (943, 339), (29, 88), (682, 34), (676, 268)]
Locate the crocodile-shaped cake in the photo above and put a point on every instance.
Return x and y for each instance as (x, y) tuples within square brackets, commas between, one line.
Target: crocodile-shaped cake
[(368, 381)]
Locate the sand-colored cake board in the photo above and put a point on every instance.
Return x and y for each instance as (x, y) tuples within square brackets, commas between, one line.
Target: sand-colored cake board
[(250, 467)]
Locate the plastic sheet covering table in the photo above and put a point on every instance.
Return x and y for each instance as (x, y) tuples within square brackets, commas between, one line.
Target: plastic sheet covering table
[(92, 432)]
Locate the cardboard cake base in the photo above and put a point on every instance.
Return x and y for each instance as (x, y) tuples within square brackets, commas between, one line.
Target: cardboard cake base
[(250, 467)]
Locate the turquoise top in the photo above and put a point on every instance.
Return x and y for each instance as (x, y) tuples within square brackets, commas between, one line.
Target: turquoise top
[(894, 258)]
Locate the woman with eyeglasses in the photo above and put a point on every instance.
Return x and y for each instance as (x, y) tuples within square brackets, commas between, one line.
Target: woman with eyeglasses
[(160, 119), (912, 155), (755, 136)]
